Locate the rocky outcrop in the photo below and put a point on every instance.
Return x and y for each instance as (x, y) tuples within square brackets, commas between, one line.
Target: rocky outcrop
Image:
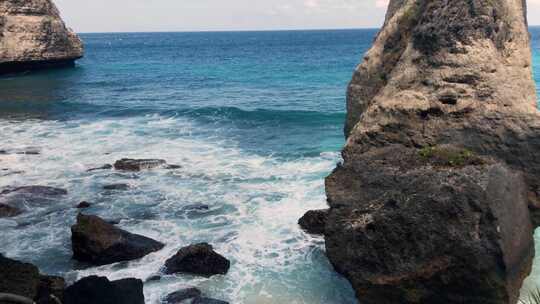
[(97, 242), (94, 289), (33, 36), (24, 280), (432, 202), (314, 221), (199, 259)]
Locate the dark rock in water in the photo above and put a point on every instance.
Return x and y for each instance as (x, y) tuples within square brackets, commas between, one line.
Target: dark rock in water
[(405, 229), (104, 167), (314, 221), (97, 242), (19, 278), (173, 167), (127, 164), (179, 296), (208, 301), (94, 290), (154, 278), (9, 211), (199, 259), (119, 187), (36, 191), (35, 37), (84, 205), (14, 201), (24, 279)]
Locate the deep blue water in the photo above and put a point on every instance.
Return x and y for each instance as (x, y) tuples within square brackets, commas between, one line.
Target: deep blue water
[(254, 118)]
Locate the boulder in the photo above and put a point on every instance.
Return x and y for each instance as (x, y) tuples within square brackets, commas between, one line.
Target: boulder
[(440, 173), (94, 289), (314, 221), (198, 259), (24, 279), (35, 37), (127, 164), (97, 242)]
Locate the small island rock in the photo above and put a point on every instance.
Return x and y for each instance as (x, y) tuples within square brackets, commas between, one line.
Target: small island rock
[(198, 259), (97, 242)]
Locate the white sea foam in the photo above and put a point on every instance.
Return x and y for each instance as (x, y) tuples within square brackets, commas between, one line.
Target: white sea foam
[(254, 203)]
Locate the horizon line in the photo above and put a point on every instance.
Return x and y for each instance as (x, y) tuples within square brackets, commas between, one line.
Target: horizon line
[(245, 30)]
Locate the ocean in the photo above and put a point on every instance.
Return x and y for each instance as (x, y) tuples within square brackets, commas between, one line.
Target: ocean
[(255, 120)]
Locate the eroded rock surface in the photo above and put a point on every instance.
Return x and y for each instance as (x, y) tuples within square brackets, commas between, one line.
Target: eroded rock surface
[(433, 201), (97, 242), (33, 36)]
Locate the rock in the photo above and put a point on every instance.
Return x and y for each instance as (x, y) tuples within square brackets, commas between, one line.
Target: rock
[(94, 289), (314, 221), (24, 279), (127, 164), (14, 201), (35, 37), (119, 187), (83, 205), (50, 290), (173, 167), (36, 191), (154, 278), (181, 295), (104, 167), (9, 211), (439, 166), (208, 301), (199, 259), (97, 242)]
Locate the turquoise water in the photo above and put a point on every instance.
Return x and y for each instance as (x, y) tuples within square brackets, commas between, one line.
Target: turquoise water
[(254, 118)]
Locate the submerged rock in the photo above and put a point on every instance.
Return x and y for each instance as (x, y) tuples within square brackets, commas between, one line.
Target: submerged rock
[(24, 279), (430, 203), (199, 259), (33, 36), (314, 221), (94, 289), (118, 187), (15, 201), (83, 205), (127, 164), (97, 242), (9, 211), (104, 167), (182, 295), (203, 300)]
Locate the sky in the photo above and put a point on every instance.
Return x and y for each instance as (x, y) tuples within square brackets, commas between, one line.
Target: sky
[(208, 15)]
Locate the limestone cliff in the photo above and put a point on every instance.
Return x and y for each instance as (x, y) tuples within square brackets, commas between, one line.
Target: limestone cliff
[(430, 203), (32, 35)]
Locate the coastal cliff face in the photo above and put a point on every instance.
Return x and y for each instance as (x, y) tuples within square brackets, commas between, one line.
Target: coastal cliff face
[(433, 201), (32, 35)]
